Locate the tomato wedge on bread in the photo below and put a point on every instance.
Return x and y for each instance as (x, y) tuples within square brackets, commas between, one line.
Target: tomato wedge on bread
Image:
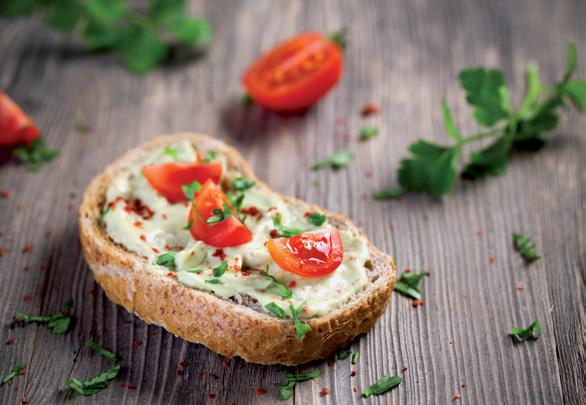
[(210, 221), (16, 128), (308, 254), (167, 178)]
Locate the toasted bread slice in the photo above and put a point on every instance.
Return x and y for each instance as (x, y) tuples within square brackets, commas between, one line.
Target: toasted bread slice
[(230, 327)]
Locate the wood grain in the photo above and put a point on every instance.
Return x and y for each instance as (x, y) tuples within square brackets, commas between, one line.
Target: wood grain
[(404, 55)]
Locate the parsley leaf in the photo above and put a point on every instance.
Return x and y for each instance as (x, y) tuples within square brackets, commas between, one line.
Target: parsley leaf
[(368, 132), (220, 270), (532, 332), (93, 385), (286, 390), (166, 260), (246, 99), (526, 247), (16, 370), (284, 231), (219, 215), (449, 122), (381, 386), (342, 354), (34, 154), (171, 152), (100, 350), (242, 184), (491, 160), (188, 226), (58, 322), (281, 289), (355, 358), (317, 218), (214, 281), (300, 328), (388, 194), (211, 155), (576, 90), (276, 310), (408, 285), (190, 189), (482, 88), (336, 161)]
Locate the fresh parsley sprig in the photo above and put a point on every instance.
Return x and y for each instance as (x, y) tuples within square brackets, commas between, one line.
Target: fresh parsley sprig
[(144, 40), (532, 332), (189, 190), (16, 370), (317, 218), (91, 386), (300, 328), (336, 160), (219, 215), (276, 310), (381, 386), (408, 285), (284, 231), (166, 260), (433, 168), (58, 322), (280, 288), (220, 270), (286, 390), (526, 247), (102, 351), (35, 154)]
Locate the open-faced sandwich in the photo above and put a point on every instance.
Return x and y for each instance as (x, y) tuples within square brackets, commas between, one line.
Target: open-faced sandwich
[(180, 232)]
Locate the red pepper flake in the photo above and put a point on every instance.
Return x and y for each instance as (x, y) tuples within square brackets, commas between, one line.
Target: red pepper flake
[(292, 284), (274, 233), (184, 363), (355, 389), (368, 174), (252, 211), (180, 372), (463, 385), (353, 373), (465, 296), (457, 395), (127, 321), (4, 194), (260, 392), (155, 250), (91, 292), (428, 273), (245, 273), (519, 287), (172, 275), (211, 396), (25, 269), (407, 270), (330, 362), (417, 303), (451, 342), (3, 251), (25, 400), (136, 342), (154, 333), (491, 260), (9, 341), (122, 385), (131, 386), (325, 391), (370, 109), (138, 224), (201, 374), (404, 370), (27, 248), (225, 364), (143, 238), (27, 298), (164, 216), (220, 254), (478, 233)]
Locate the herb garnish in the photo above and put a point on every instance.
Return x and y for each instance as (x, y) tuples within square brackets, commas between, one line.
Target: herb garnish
[(284, 231), (166, 260), (242, 184), (220, 270), (433, 168), (93, 385), (246, 99), (408, 285), (104, 212), (532, 332), (388, 194), (34, 154), (336, 161), (211, 155), (286, 390), (276, 310), (317, 218), (100, 350), (16, 370), (219, 215), (281, 289), (188, 226), (381, 386), (367, 133), (58, 322), (214, 281), (355, 358), (342, 354), (190, 189), (300, 328), (194, 270), (171, 152), (526, 247), (144, 39)]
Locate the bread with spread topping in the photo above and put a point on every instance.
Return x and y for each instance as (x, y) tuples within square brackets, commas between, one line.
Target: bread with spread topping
[(233, 326)]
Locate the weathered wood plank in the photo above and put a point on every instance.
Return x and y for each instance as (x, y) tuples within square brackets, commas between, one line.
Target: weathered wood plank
[(404, 55)]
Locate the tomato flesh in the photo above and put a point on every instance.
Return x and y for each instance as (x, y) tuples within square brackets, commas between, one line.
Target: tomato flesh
[(167, 178), (226, 233), (16, 127), (296, 73), (309, 254)]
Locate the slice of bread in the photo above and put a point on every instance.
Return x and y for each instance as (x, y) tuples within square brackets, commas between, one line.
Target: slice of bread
[(230, 327)]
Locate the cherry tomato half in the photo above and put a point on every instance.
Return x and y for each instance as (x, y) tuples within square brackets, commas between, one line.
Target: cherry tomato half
[(309, 254), (167, 178), (16, 127), (226, 233), (296, 73)]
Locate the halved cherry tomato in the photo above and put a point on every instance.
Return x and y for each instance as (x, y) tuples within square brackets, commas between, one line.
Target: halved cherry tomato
[(226, 233), (16, 128), (167, 178), (309, 254), (296, 73)]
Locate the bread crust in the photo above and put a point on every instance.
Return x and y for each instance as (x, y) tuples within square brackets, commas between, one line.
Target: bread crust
[(198, 316)]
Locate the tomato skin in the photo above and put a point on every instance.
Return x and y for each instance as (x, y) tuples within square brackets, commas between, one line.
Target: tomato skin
[(167, 178), (296, 73), (309, 254), (227, 233), (16, 128)]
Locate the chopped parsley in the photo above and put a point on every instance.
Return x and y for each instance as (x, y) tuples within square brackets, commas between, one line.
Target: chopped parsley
[(286, 390), (171, 152), (219, 215), (211, 155), (194, 270), (220, 270), (16, 370), (188, 226), (246, 99), (532, 332), (279, 288), (342, 354), (100, 350), (526, 247), (284, 231), (214, 281), (336, 161), (95, 384), (104, 212), (388, 194), (166, 260), (190, 189), (300, 328), (242, 184), (35, 154), (316, 218), (276, 310), (408, 285), (355, 358), (381, 386), (368, 132), (58, 322)]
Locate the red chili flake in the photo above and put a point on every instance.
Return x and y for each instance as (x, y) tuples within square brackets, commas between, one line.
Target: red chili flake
[(491, 260), (168, 247), (25, 269), (252, 211), (292, 284), (330, 362), (325, 391), (465, 296), (213, 376), (4, 194), (9, 341), (353, 373), (143, 238), (211, 396), (201, 374), (428, 273), (457, 395), (219, 253), (463, 385), (138, 224), (370, 109), (136, 342), (131, 386), (404, 370), (274, 233), (260, 391), (127, 321), (450, 342), (180, 372), (184, 363), (407, 270), (478, 233), (27, 298), (155, 250), (3, 251), (368, 174), (154, 333), (519, 287), (391, 227), (27, 248), (225, 364), (25, 400), (355, 389), (245, 273), (122, 385), (417, 303), (164, 216), (91, 292), (172, 275)]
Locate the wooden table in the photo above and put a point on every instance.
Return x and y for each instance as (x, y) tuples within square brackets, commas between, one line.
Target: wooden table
[(403, 55)]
